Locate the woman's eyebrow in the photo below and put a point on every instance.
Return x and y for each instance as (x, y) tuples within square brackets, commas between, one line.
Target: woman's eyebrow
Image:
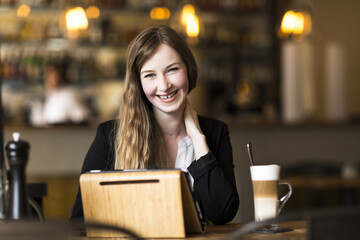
[(146, 71), (172, 64)]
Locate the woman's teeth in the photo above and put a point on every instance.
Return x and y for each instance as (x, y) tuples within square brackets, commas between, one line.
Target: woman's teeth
[(167, 96)]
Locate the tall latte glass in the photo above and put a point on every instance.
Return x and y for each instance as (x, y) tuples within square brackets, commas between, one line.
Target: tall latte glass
[(265, 180)]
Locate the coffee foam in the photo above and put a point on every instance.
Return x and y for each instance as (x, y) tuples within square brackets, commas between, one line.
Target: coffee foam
[(265, 172)]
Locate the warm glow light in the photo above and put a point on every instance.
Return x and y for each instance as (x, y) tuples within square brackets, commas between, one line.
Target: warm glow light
[(192, 26), (243, 88), (190, 20), (92, 12), (296, 23), (23, 11), (188, 11), (160, 13), (76, 19), (288, 22), (299, 24)]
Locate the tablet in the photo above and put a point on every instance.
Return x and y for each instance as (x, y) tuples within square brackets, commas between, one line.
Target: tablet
[(151, 203)]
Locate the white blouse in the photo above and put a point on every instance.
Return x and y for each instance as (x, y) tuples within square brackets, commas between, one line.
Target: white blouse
[(185, 155)]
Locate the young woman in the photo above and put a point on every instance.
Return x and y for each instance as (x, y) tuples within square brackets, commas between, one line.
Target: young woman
[(157, 127)]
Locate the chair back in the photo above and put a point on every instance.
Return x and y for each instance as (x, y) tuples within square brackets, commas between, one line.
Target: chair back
[(334, 224)]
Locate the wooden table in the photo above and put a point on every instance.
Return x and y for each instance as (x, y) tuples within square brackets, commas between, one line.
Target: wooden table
[(224, 231), (220, 232), (60, 231)]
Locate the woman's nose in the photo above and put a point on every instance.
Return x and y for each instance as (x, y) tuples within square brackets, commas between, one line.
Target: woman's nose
[(163, 83)]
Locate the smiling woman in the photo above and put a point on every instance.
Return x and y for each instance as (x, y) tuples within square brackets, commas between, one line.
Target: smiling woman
[(141, 142), (164, 80), (157, 127)]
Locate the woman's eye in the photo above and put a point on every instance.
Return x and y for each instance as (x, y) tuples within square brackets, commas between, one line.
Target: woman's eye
[(173, 69), (150, 75)]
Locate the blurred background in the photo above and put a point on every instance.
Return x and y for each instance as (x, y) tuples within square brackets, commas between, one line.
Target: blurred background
[(282, 73)]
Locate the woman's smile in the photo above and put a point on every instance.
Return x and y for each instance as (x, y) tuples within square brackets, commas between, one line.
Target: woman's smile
[(169, 97)]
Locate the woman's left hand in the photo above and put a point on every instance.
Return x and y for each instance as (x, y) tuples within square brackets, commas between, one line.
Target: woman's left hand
[(191, 121), (194, 132)]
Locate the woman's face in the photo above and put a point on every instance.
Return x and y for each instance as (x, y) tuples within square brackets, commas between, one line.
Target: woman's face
[(164, 80)]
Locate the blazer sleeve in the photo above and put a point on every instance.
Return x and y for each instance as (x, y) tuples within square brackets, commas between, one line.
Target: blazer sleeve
[(98, 157), (214, 179)]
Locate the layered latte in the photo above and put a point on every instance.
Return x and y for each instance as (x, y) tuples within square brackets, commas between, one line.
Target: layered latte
[(265, 180)]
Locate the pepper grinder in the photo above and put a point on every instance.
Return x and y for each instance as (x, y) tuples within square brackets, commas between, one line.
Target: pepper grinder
[(17, 152)]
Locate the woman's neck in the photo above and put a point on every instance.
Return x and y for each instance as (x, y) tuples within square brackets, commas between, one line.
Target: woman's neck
[(171, 125)]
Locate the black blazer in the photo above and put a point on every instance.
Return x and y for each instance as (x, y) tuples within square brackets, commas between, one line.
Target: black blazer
[(214, 179)]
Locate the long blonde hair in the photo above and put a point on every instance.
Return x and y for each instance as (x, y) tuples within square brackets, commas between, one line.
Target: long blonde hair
[(138, 141)]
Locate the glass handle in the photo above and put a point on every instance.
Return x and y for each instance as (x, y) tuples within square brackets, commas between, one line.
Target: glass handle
[(286, 197)]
